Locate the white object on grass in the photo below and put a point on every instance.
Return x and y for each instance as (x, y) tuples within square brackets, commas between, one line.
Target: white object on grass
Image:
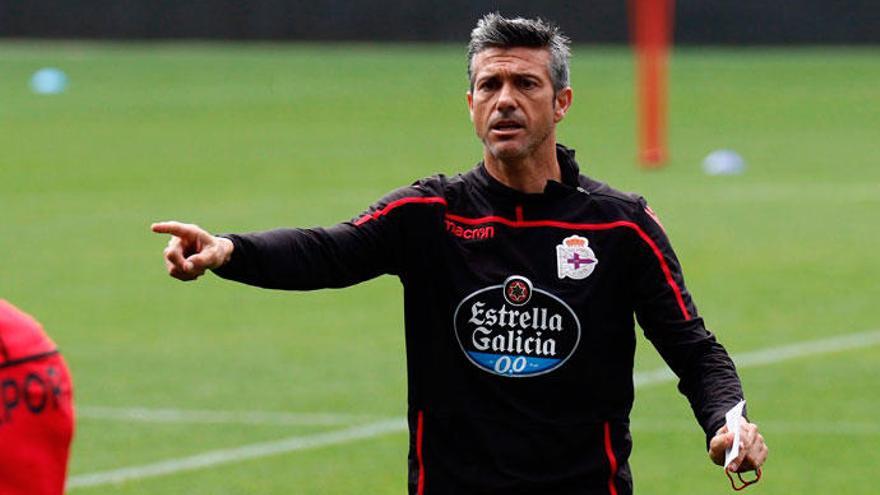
[(724, 162), (733, 418)]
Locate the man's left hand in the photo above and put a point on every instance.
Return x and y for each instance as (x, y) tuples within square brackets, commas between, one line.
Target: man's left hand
[(752, 450)]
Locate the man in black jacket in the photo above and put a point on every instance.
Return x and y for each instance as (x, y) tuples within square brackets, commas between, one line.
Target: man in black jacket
[(521, 279)]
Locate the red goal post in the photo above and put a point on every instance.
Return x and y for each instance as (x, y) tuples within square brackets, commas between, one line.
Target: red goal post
[(651, 24)]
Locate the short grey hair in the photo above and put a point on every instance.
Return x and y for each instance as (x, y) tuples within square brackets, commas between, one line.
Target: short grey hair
[(495, 31)]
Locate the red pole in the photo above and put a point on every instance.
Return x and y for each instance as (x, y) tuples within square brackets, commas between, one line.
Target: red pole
[(651, 29)]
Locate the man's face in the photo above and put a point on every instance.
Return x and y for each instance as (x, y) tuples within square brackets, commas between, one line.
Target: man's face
[(512, 104)]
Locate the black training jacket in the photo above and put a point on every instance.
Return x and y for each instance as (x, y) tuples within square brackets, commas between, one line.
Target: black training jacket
[(519, 313)]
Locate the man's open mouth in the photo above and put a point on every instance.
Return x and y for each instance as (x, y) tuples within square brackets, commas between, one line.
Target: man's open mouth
[(506, 126)]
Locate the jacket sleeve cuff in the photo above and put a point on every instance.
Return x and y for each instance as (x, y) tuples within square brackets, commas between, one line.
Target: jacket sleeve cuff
[(716, 422), (235, 265)]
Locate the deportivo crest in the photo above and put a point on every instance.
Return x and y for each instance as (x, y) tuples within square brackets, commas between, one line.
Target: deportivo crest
[(574, 258), (516, 330)]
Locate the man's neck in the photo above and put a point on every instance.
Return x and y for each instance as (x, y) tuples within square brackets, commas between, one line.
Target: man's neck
[(528, 174)]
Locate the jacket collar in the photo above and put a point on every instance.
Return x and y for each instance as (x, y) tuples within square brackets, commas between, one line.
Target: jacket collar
[(569, 171)]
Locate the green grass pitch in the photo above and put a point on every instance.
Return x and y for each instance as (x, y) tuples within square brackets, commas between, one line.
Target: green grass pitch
[(248, 137)]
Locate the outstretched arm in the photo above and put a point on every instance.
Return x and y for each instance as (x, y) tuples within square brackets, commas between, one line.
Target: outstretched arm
[(350, 252)]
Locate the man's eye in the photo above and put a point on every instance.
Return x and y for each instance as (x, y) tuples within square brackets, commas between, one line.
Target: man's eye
[(488, 85), (527, 83)]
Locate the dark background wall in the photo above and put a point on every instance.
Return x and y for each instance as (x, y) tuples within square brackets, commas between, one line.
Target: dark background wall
[(697, 21)]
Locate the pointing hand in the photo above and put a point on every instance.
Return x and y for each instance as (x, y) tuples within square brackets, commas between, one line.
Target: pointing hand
[(192, 250)]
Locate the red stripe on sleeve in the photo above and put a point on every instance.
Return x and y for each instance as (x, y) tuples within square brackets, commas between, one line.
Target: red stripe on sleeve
[(399, 202), (666, 271)]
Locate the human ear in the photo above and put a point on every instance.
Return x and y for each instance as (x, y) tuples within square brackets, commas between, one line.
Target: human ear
[(562, 102)]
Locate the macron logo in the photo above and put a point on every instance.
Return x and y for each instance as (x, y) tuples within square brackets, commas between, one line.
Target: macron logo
[(478, 233)]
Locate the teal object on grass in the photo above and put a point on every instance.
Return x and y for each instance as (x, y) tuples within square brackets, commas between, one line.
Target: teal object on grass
[(49, 81)]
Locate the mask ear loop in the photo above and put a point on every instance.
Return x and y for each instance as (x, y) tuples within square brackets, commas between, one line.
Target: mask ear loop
[(745, 483)]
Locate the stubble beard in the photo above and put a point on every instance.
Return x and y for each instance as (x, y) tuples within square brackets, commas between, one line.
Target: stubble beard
[(500, 152)]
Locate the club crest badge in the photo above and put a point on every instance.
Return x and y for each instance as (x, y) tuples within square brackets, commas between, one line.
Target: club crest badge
[(574, 258)]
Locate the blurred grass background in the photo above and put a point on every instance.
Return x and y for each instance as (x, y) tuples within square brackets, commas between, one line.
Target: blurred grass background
[(248, 137)]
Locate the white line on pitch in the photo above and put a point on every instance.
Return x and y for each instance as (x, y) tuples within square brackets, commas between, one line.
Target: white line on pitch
[(661, 375), (226, 456), (772, 355), (853, 428), (149, 415), (767, 356)]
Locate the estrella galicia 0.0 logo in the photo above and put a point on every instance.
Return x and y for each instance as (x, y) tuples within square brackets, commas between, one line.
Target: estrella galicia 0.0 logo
[(515, 329)]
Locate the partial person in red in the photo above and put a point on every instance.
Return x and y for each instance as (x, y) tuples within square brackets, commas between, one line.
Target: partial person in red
[(36, 408)]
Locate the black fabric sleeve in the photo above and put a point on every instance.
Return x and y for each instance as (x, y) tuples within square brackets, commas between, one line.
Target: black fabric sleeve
[(665, 311), (338, 256)]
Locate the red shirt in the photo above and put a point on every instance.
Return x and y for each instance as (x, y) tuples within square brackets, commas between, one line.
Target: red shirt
[(36, 408)]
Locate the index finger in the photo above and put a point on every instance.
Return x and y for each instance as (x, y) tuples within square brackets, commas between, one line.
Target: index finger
[(174, 228)]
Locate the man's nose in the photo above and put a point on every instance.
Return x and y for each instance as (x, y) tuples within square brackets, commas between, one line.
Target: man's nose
[(507, 97)]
